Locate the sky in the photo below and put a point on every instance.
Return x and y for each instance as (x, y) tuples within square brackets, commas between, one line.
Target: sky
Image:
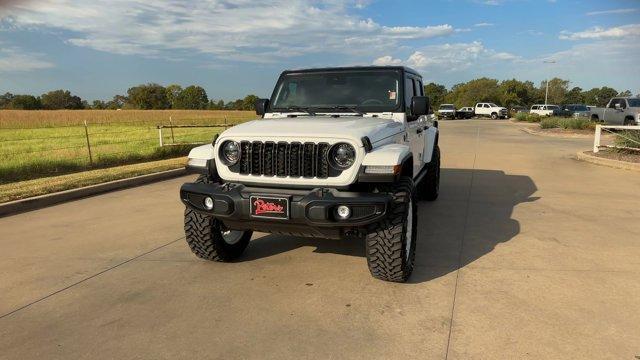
[(100, 48)]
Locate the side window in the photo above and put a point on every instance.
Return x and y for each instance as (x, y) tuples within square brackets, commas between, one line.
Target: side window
[(419, 89), (623, 103), (612, 104), (408, 92), (486, 105)]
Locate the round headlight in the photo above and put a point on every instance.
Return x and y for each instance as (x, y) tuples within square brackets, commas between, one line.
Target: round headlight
[(342, 156), (230, 152)]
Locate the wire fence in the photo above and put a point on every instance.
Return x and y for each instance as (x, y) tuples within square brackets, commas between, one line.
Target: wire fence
[(35, 152), (624, 138)]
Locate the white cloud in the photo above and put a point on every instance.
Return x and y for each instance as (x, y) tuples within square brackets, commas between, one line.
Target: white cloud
[(600, 33), (386, 60), (245, 30), (13, 59), (483, 24), (614, 11), (450, 57)]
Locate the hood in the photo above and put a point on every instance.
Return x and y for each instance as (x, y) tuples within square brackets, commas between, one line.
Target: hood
[(346, 127)]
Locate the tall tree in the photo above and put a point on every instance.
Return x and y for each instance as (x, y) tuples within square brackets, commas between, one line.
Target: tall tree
[(148, 96), (436, 93), (515, 92), (25, 102), (192, 97), (173, 91), (5, 100), (478, 90), (61, 99), (248, 103), (557, 90), (574, 96)]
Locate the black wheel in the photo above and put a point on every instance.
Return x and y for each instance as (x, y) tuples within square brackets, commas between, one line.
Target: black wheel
[(209, 239), (429, 187), (629, 122), (494, 116), (391, 243)]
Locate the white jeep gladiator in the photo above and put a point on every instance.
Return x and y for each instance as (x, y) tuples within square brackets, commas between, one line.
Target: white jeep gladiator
[(340, 153)]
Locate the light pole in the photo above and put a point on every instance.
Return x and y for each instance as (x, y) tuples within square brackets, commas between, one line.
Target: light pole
[(546, 94)]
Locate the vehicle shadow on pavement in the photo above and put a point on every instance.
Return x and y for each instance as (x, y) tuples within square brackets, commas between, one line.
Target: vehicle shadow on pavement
[(474, 208), (471, 217)]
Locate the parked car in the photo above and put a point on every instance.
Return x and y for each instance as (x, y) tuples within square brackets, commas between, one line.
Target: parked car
[(347, 164), (545, 110), (576, 111), (517, 109), (490, 110), (619, 111), (465, 113), (447, 111)]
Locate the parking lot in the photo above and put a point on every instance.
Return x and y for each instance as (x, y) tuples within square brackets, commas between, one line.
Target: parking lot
[(528, 253)]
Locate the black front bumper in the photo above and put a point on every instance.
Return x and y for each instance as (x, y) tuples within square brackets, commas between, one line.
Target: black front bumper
[(311, 212)]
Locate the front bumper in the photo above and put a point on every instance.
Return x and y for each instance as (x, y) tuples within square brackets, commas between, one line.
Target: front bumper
[(311, 212)]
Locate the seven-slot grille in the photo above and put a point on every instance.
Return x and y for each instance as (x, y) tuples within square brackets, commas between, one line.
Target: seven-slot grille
[(285, 159)]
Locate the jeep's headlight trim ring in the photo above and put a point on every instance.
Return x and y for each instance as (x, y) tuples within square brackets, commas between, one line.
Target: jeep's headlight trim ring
[(341, 156), (230, 152)]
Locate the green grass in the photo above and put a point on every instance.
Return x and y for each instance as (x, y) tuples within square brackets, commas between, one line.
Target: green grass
[(33, 153), (35, 187), (566, 123), (533, 118)]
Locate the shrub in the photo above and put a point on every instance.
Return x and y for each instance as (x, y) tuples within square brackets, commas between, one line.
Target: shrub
[(566, 123), (521, 116), (630, 139)]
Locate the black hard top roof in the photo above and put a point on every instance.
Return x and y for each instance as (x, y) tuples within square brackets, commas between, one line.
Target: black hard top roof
[(360, 68)]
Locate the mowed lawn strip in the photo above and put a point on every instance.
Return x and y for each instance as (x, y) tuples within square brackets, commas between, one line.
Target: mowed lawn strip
[(35, 144), (42, 186)]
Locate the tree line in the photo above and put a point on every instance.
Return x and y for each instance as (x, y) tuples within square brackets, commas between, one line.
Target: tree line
[(143, 97), (513, 92), (507, 93)]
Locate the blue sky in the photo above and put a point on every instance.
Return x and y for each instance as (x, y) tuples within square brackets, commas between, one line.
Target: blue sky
[(234, 47)]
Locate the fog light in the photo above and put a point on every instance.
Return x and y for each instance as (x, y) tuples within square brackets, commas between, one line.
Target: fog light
[(208, 203), (343, 212)]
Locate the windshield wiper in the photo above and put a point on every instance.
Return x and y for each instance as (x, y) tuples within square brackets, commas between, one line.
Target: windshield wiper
[(308, 110), (353, 109)]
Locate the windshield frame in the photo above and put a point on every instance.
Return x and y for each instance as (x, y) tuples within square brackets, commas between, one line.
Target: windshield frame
[(400, 107)]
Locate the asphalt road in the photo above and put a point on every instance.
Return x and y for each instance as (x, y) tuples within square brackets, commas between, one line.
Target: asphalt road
[(528, 253)]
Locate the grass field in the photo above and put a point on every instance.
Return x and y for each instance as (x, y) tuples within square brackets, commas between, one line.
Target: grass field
[(35, 144)]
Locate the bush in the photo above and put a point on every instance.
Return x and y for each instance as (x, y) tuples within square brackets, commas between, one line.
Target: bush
[(521, 116), (533, 118), (630, 139), (566, 123)]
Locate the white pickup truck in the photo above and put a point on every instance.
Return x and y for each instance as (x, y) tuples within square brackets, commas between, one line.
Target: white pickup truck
[(619, 111), (491, 110), (342, 153)]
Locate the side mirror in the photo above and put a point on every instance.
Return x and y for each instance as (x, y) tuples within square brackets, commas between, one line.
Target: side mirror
[(419, 105), (618, 106), (261, 106)]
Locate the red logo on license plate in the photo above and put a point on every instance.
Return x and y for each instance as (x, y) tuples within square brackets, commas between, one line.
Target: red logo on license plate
[(269, 207)]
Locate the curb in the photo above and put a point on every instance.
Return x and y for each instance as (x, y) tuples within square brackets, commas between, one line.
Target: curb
[(557, 135), (581, 155), (38, 202)]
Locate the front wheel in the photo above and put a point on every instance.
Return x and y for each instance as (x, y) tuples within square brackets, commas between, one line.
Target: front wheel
[(494, 116), (391, 243), (208, 238)]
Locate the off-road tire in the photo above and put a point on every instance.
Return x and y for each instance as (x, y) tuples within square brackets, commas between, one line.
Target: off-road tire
[(386, 241), (629, 122), (429, 187), (204, 236)]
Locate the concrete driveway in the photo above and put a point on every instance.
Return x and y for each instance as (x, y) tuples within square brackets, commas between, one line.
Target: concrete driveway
[(528, 253)]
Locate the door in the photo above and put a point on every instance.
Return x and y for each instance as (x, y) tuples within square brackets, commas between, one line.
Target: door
[(415, 125), (614, 115)]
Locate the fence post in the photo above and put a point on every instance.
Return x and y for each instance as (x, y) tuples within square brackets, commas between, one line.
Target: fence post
[(86, 134), (160, 134), (225, 123), (173, 140), (596, 139)]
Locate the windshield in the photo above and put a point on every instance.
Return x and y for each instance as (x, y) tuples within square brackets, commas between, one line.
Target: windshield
[(493, 105), (633, 102), (552, 107), (578, 108), (373, 91), (447, 107)]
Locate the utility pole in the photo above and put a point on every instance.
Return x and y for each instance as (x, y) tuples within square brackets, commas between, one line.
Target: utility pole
[(546, 94)]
